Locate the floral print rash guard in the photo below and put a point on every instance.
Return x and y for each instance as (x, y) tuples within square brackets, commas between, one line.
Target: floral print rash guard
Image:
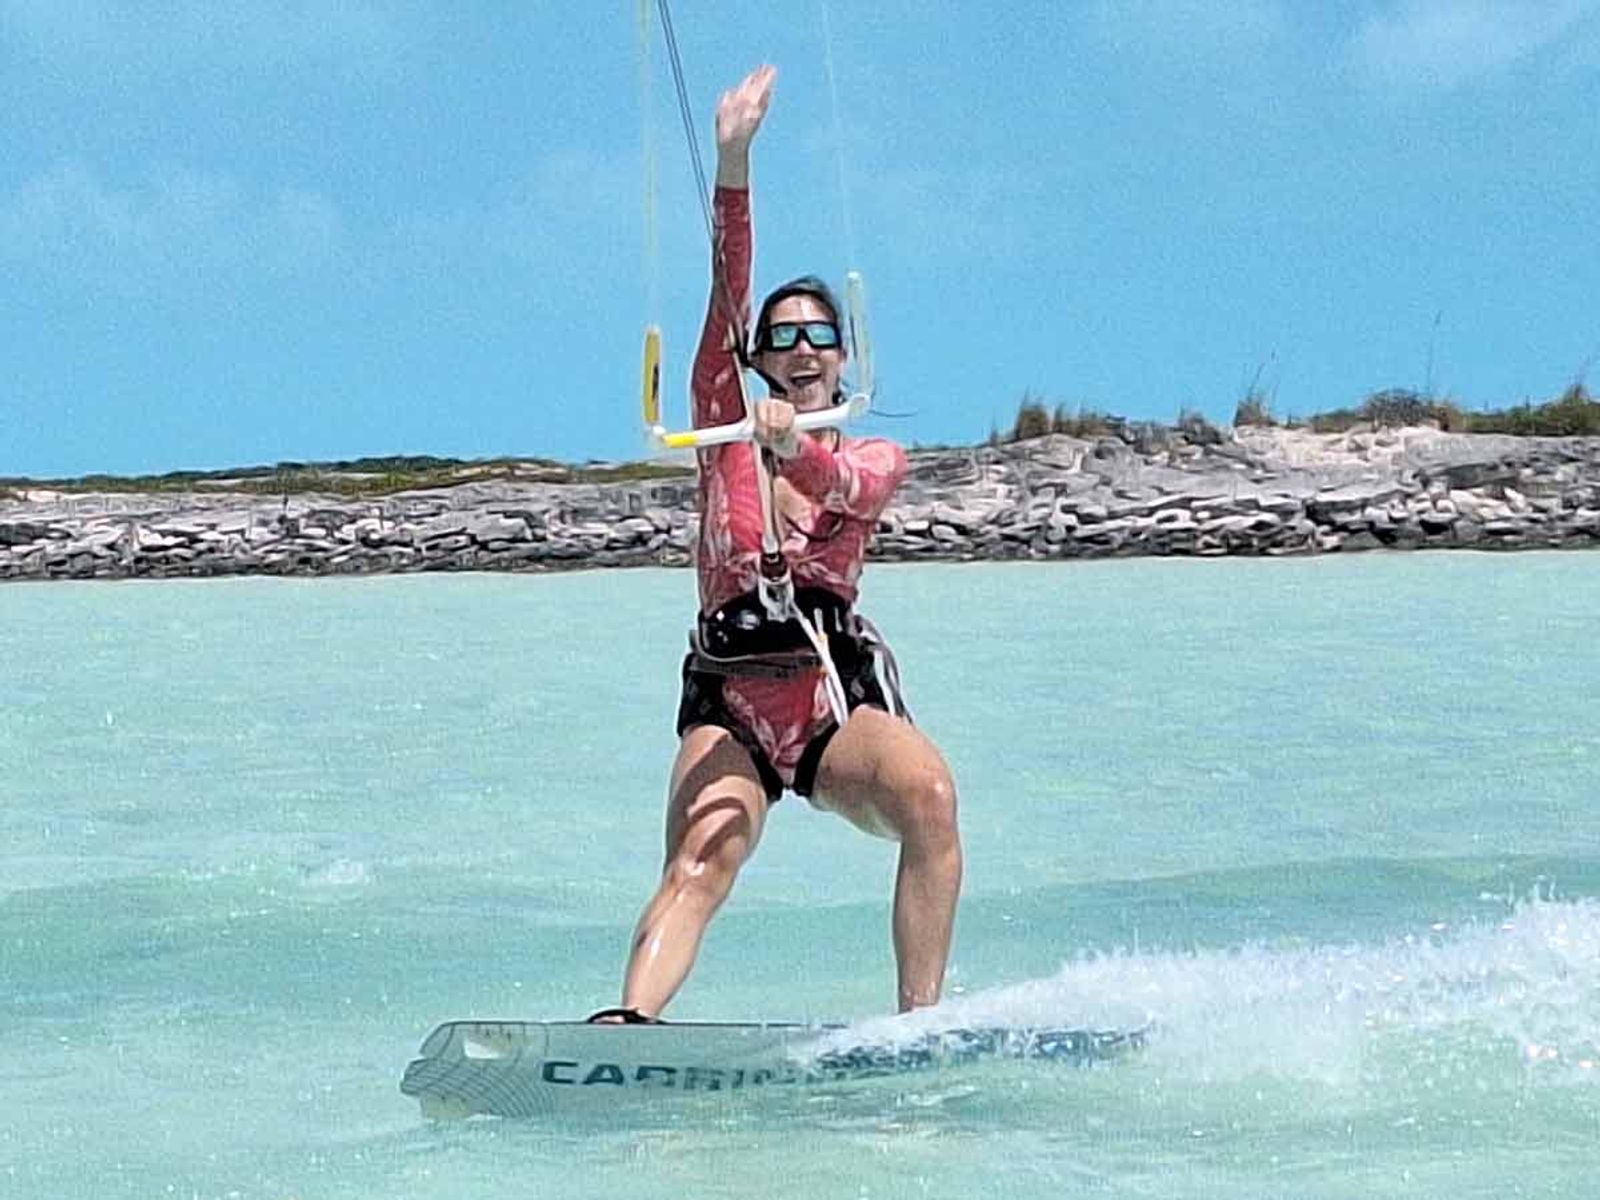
[(842, 491)]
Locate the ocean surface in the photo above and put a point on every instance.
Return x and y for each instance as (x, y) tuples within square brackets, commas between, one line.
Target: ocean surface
[(1328, 826)]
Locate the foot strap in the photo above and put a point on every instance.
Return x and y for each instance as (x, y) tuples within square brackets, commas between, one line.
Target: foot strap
[(622, 1016)]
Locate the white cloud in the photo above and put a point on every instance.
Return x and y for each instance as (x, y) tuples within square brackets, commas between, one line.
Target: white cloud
[(70, 221), (1445, 43)]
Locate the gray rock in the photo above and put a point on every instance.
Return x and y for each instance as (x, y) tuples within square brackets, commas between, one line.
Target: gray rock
[(1263, 492), (637, 528), (497, 528), (1437, 522)]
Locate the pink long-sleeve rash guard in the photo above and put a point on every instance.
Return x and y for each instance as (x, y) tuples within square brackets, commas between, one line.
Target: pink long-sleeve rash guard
[(845, 489)]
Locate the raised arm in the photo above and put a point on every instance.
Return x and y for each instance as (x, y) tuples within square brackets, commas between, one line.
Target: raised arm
[(715, 382)]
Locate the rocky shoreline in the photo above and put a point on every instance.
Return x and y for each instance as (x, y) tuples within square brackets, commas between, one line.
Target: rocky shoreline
[(1253, 491)]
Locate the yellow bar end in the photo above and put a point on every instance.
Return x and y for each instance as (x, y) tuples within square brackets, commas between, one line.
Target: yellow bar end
[(650, 378)]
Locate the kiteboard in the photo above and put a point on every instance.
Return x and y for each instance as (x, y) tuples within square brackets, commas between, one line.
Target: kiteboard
[(541, 1068)]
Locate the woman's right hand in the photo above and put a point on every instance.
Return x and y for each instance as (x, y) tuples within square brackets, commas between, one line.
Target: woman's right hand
[(741, 109), (774, 429)]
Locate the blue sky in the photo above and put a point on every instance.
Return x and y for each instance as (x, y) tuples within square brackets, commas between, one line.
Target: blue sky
[(237, 233)]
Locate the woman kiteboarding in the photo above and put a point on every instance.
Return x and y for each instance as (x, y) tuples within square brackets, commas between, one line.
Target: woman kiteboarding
[(786, 686)]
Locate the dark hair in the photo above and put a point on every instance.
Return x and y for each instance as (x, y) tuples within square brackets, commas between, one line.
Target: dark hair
[(806, 285)]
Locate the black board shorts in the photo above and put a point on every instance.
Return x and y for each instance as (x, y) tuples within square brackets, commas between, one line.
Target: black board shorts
[(702, 703)]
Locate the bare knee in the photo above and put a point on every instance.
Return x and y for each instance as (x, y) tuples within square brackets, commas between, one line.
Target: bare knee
[(925, 800), (705, 864)]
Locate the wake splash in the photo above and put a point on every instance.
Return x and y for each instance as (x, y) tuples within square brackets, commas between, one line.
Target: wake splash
[(1519, 995)]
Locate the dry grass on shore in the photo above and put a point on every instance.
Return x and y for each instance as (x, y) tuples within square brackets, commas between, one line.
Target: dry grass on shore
[(1573, 413), (356, 478)]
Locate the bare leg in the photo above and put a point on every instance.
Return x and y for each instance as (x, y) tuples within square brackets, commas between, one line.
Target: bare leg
[(715, 813), (885, 776)]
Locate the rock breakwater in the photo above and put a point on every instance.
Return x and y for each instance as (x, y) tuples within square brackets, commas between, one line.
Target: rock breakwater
[(1253, 492)]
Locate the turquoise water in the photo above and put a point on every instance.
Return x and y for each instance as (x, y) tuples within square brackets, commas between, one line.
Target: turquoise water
[(1328, 824)]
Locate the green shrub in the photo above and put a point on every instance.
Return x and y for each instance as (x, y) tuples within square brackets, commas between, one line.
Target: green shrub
[(1395, 407), (1254, 409), (1033, 420), (1194, 426), (1573, 414), (1086, 423), (1339, 420)]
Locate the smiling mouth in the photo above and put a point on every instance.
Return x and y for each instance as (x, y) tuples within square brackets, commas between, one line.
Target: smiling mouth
[(802, 379)]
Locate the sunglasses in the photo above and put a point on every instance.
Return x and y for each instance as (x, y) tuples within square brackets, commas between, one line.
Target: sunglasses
[(786, 335)]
